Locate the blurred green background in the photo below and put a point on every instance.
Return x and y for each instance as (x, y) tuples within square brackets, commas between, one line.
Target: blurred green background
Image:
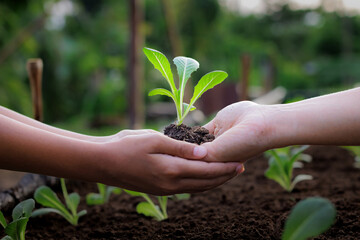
[(85, 45)]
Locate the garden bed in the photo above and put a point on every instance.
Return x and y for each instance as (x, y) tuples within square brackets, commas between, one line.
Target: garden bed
[(248, 207)]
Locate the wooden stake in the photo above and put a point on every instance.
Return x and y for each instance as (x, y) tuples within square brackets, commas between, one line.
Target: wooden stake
[(135, 97), (35, 68)]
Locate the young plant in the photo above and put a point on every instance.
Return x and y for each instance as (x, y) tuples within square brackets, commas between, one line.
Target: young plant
[(356, 151), (103, 195), (309, 218), (47, 198), (149, 209), (281, 167), (15, 230), (185, 67)]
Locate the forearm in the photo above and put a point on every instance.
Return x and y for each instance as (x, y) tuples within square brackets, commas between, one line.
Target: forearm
[(29, 149), (31, 122), (332, 119)]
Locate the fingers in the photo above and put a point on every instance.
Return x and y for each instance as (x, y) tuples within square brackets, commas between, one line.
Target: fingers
[(206, 170), (182, 149), (210, 126), (200, 185)]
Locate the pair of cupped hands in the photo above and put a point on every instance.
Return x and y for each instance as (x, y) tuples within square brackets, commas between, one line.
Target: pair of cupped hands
[(154, 163)]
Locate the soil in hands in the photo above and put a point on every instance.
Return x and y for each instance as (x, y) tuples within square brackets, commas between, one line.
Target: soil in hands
[(195, 134)]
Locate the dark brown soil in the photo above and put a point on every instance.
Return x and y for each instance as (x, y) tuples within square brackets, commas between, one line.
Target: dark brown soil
[(248, 207), (195, 134)]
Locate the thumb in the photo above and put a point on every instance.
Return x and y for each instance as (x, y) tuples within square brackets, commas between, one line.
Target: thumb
[(181, 149), (210, 126)]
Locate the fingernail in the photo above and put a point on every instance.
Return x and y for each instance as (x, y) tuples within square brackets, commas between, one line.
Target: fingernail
[(200, 151), (240, 168)]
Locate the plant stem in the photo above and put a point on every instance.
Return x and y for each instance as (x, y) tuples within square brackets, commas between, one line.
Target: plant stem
[(160, 216), (163, 203), (73, 219)]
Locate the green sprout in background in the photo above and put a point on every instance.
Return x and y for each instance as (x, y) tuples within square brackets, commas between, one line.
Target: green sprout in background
[(103, 196), (281, 164), (149, 208), (47, 198), (15, 230), (185, 67), (309, 218), (355, 150)]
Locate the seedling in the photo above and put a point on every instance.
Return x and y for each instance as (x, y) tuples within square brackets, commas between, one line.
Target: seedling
[(281, 167), (103, 195), (47, 197), (309, 218), (185, 67), (356, 151), (15, 230), (149, 209)]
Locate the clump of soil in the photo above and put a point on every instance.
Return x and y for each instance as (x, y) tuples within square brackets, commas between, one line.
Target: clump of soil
[(195, 134)]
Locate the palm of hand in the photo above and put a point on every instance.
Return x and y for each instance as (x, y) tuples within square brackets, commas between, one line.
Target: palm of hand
[(240, 130)]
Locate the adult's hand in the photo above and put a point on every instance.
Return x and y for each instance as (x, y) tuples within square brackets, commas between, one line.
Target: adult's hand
[(147, 161)]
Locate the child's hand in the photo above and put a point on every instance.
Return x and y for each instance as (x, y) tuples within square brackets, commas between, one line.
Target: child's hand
[(241, 132)]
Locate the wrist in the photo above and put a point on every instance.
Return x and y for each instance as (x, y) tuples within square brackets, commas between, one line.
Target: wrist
[(282, 127)]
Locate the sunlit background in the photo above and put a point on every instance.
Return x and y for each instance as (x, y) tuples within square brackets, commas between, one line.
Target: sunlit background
[(96, 78)]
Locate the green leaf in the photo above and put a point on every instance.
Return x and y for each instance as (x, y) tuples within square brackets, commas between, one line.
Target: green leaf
[(7, 238), (115, 190), (46, 197), (187, 105), (161, 91), (110, 190), (43, 211), (94, 199), (2, 220), (162, 64), (182, 196), (23, 209), (299, 178), (74, 200), (276, 173), (149, 210), (207, 82), (134, 194), (309, 218), (185, 67), (16, 229), (81, 213)]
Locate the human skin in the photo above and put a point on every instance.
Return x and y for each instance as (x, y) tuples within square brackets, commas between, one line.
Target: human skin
[(142, 160), (245, 129)]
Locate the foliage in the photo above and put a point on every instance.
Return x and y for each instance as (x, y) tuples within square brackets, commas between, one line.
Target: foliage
[(47, 198), (356, 151), (15, 230), (103, 195), (149, 209), (185, 66), (309, 218), (281, 164)]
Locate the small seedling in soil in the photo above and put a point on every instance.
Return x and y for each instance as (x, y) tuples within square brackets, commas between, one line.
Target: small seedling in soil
[(15, 230), (103, 195), (309, 218), (281, 167), (355, 150), (47, 198), (148, 208), (185, 67)]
